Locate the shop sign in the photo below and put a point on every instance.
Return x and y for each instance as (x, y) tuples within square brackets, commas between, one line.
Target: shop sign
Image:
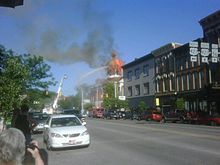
[(204, 52), (157, 102)]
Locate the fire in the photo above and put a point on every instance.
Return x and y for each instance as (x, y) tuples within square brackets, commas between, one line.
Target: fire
[(115, 65)]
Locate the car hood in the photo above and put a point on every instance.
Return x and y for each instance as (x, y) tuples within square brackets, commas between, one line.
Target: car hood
[(67, 130)]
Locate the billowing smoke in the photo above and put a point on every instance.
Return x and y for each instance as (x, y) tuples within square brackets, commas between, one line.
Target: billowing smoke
[(85, 36)]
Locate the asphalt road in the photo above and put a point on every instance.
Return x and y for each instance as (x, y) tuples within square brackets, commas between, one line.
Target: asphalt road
[(126, 142)]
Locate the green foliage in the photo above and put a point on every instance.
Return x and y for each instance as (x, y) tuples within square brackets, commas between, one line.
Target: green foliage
[(142, 106), (66, 103), (108, 90), (109, 100), (88, 106), (12, 81), (39, 72), (38, 98), (180, 103), (18, 75)]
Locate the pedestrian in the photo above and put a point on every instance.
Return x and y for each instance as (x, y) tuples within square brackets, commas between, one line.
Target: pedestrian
[(22, 123), (13, 148)]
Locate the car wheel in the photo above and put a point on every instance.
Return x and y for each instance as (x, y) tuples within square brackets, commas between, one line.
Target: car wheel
[(163, 120)]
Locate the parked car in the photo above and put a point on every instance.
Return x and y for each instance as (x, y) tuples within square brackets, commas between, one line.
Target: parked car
[(153, 115), (75, 112), (110, 114), (136, 116), (63, 131), (128, 115), (173, 115), (38, 122), (204, 118)]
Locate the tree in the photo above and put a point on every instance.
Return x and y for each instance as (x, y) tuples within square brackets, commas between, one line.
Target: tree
[(19, 74), (142, 106), (109, 101), (180, 103), (39, 72), (67, 102), (12, 81)]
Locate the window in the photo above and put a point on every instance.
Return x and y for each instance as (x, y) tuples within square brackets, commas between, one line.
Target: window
[(184, 82), (202, 79), (172, 85), (137, 90), (146, 88), (179, 84), (129, 75), (196, 78), (137, 73), (190, 81), (130, 91), (146, 70), (171, 63), (166, 84)]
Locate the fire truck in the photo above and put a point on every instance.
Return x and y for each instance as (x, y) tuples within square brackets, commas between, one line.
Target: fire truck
[(98, 112)]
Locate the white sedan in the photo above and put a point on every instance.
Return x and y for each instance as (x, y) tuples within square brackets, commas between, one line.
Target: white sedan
[(65, 131)]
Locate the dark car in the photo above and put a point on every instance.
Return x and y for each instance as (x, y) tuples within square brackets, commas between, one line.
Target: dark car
[(173, 115), (128, 115), (111, 114), (38, 120)]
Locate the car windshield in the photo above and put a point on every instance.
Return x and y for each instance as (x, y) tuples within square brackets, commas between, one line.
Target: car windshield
[(40, 117), (65, 122), (75, 112)]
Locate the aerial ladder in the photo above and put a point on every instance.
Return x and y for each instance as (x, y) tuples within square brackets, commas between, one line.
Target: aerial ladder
[(55, 106)]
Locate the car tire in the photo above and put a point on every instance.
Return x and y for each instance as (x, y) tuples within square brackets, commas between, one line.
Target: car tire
[(163, 120)]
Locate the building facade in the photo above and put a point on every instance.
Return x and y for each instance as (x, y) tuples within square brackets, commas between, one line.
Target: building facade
[(165, 75), (198, 78), (189, 72), (139, 84)]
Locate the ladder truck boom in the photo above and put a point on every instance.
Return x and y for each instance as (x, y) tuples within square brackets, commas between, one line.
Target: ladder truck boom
[(58, 92)]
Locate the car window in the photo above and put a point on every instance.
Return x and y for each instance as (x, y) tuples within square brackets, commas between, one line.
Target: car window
[(65, 122)]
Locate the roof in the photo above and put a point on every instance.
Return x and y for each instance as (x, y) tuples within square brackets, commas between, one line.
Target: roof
[(165, 48), (210, 17), (138, 60)]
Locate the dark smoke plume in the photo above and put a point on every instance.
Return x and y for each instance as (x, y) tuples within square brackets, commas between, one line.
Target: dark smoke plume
[(68, 42)]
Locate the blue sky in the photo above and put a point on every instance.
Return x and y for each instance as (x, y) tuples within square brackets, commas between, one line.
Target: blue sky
[(76, 37)]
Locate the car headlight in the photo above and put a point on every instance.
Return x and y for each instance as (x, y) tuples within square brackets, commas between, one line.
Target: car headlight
[(85, 133), (56, 135)]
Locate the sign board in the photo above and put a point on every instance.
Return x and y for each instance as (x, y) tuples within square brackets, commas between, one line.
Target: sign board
[(204, 52), (157, 102), (121, 97)]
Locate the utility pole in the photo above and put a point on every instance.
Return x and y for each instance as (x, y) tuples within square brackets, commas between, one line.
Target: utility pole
[(82, 101)]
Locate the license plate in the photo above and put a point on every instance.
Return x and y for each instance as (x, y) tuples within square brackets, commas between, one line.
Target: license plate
[(72, 141)]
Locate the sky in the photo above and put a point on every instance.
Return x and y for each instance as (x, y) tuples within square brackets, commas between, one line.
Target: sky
[(76, 37)]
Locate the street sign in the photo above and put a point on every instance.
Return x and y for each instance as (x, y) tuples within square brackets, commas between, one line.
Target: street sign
[(121, 97)]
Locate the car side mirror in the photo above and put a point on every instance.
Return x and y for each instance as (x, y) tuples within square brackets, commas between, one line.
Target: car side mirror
[(84, 123)]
